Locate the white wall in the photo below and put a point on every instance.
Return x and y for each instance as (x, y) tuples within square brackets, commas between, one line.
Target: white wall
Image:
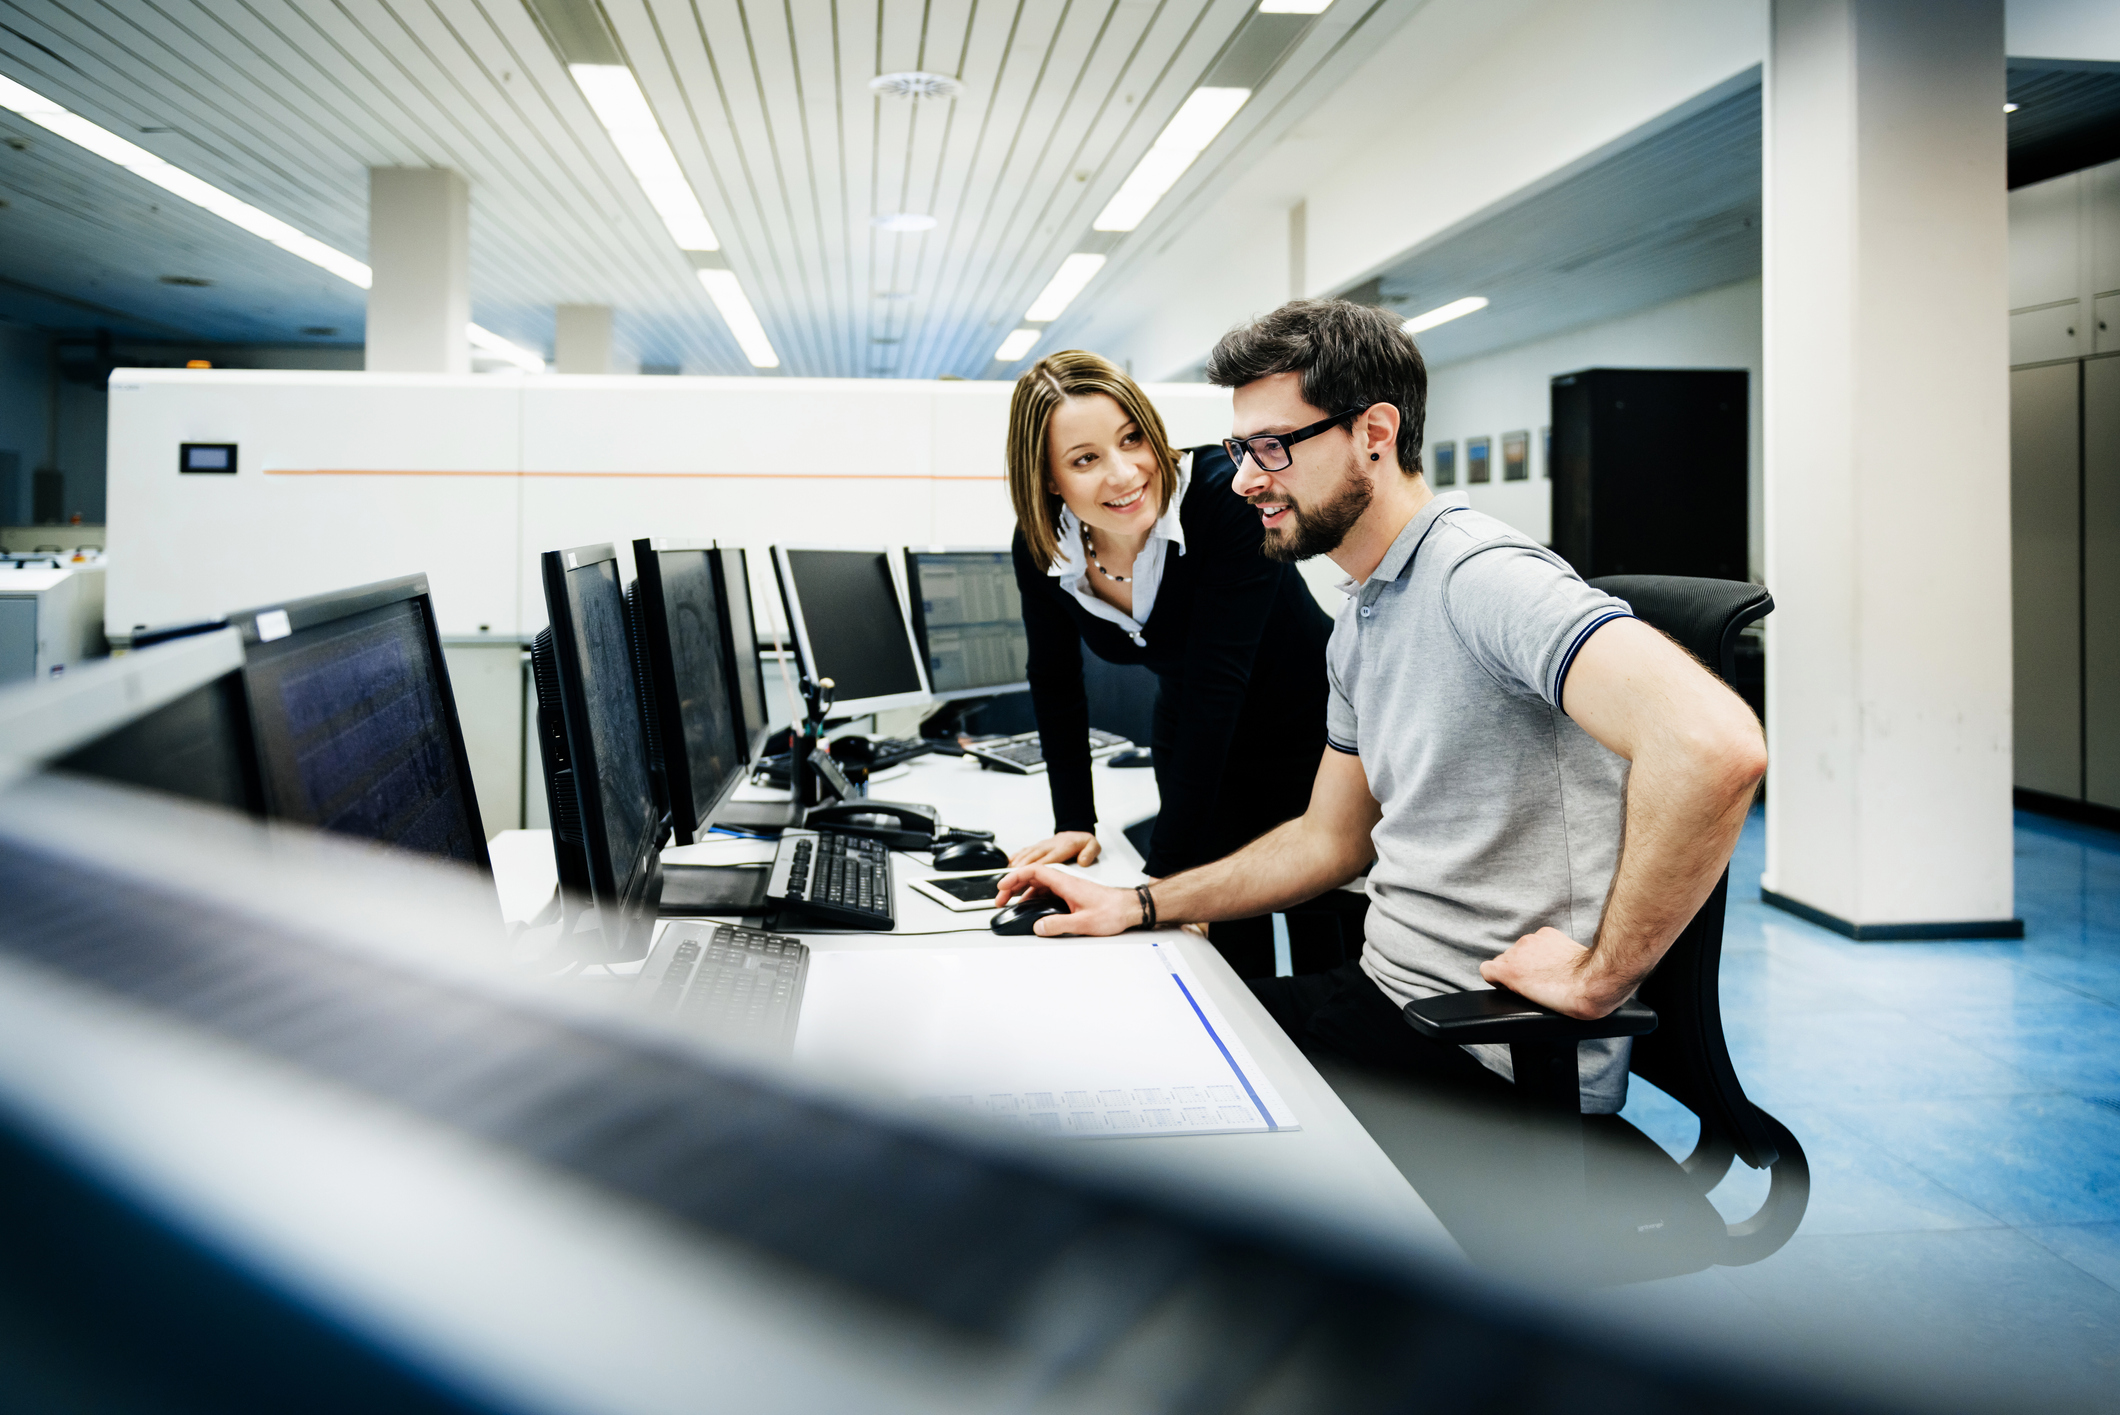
[(346, 478), (1465, 107), (1512, 390)]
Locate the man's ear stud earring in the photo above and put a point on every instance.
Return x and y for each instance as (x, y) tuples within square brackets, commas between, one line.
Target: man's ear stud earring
[(1373, 456)]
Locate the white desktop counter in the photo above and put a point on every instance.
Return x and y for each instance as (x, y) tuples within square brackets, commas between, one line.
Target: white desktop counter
[(1329, 1171)]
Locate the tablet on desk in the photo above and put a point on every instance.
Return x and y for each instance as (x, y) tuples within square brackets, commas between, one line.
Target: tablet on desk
[(964, 893)]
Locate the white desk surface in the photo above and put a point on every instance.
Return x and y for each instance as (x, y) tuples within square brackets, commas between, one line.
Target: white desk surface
[(1330, 1171)]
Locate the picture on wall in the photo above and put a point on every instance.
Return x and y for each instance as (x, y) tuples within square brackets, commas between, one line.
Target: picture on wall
[(1516, 456), (1545, 452), (1478, 469), (1443, 457)]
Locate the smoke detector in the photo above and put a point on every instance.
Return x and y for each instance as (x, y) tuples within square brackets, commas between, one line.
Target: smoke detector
[(916, 84)]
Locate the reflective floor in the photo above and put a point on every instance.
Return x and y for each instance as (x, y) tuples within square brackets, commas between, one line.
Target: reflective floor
[(1960, 1105)]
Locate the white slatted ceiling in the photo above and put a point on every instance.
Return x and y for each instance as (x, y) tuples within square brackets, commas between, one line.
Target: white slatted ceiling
[(287, 102)]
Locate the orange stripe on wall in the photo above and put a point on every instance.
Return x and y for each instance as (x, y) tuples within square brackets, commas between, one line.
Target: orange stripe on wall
[(680, 476)]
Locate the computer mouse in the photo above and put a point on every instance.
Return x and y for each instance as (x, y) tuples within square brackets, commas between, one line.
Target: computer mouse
[(970, 855), (1020, 916), (1133, 756)]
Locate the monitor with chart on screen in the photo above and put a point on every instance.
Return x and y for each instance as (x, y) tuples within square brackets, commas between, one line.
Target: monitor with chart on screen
[(968, 618)]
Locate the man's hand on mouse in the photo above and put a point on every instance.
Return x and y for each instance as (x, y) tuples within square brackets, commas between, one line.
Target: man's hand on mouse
[(1097, 910)]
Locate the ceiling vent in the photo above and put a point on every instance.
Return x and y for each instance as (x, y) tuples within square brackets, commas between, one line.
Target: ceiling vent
[(916, 84)]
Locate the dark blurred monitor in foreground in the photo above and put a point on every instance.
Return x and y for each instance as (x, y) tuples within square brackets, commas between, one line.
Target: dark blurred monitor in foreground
[(172, 718), (356, 725), (272, 1153), (848, 626), (968, 620)]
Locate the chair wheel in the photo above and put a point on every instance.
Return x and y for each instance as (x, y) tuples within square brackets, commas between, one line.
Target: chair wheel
[(1788, 1196)]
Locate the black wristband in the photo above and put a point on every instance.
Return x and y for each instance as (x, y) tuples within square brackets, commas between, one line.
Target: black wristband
[(1148, 906)]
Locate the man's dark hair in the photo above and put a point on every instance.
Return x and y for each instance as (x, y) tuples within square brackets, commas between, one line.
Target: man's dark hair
[(1350, 356)]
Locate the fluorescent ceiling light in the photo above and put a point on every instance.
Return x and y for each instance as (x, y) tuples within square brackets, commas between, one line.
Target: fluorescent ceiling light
[(142, 163), (1183, 139), (742, 320), (1443, 314), (1294, 7), (2009, 108), (1067, 282), (903, 221), (1016, 345), (499, 348), (622, 108)]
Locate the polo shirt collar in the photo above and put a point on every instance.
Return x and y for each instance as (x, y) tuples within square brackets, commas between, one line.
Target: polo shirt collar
[(1400, 555)]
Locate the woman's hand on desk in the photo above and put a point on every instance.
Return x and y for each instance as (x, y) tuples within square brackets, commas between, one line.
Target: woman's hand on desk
[(1096, 910), (1076, 846)]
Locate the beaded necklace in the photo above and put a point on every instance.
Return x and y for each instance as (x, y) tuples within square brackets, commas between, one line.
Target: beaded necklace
[(1090, 549)]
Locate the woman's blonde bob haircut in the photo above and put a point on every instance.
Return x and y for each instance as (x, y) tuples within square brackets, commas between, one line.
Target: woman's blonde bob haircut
[(1072, 373)]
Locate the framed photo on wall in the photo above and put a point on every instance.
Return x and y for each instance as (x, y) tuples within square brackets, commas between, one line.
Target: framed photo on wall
[(1516, 456), (1545, 452), (1479, 470), (1443, 461)]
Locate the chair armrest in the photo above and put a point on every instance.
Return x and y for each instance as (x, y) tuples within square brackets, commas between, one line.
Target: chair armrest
[(1498, 1015)]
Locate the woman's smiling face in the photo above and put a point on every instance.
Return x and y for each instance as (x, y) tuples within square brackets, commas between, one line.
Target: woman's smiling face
[(1101, 466)]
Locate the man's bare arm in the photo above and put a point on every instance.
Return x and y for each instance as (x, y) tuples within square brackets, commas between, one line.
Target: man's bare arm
[(1697, 756), (1325, 846)]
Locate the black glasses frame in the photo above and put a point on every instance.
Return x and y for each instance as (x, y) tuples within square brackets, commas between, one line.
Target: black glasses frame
[(1280, 442)]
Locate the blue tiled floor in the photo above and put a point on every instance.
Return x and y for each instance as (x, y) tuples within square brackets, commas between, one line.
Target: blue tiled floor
[(1960, 1107)]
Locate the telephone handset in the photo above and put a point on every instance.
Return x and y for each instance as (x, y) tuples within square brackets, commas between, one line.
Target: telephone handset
[(902, 825)]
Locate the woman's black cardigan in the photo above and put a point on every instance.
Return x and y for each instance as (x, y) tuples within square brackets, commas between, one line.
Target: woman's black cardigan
[(1235, 639)]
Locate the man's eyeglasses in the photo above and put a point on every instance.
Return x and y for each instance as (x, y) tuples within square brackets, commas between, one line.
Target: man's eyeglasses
[(1269, 450)]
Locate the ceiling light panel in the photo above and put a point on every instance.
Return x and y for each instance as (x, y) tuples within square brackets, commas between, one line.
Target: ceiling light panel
[(1067, 282), (1196, 123), (1018, 344), (736, 311), (1443, 314), (623, 109)]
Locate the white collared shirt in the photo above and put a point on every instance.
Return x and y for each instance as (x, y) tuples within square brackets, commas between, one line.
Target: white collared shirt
[(1072, 569)]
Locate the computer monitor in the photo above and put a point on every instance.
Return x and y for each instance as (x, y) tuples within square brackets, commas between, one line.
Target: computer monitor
[(173, 719), (355, 721), (848, 625), (968, 620), (732, 578), (688, 678)]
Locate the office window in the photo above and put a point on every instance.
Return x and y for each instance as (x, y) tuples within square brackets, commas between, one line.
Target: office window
[(1478, 470)]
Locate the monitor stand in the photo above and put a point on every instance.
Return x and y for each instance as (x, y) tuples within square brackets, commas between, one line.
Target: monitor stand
[(713, 889)]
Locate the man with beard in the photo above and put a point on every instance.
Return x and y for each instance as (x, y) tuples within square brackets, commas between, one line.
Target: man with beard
[(1547, 788)]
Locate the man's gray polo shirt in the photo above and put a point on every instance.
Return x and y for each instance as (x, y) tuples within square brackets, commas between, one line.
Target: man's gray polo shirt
[(1501, 815)]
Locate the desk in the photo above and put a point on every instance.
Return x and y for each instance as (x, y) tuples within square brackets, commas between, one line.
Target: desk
[(1330, 1171)]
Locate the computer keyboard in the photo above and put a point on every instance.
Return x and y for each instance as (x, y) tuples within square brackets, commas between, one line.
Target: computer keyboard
[(733, 984), (890, 751), (839, 879), (1024, 754)]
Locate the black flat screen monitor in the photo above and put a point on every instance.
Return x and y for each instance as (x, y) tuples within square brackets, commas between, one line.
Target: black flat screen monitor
[(848, 626), (694, 717), (732, 578), (968, 619), (355, 720), (172, 718), (607, 828)]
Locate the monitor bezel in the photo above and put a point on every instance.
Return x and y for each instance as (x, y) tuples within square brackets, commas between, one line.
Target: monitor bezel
[(688, 817), (42, 721), (312, 611), (732, 567), (798, 630), (919, 614), (626, 907)]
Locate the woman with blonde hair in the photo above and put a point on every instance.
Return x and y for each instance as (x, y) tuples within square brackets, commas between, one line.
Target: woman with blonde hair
[(1145, 555)]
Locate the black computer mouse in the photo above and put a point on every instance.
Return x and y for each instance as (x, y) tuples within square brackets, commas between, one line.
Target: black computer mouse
[(970, 855), (1132, 756), (1019, 917)]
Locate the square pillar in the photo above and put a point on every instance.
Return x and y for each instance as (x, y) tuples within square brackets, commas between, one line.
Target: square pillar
[(1887, 468), (419, 248), (581, 339)]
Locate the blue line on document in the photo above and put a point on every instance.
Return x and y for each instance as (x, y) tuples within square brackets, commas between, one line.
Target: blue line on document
[(1242, 1079)]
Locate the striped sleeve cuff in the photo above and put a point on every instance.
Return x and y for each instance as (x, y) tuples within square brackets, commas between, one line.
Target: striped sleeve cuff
[(1560, 675), (1338, 746)]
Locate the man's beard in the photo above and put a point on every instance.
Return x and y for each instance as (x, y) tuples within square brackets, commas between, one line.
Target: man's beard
[(1316, 530)]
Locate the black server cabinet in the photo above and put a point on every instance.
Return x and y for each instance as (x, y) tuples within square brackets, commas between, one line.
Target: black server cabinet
[(1649, 471)]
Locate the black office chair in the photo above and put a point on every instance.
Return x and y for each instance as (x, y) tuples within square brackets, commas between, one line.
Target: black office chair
[(1676, 1018)]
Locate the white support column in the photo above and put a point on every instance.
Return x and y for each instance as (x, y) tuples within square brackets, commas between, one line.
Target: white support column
[(419, 246), (581, 339), (1887, 468)]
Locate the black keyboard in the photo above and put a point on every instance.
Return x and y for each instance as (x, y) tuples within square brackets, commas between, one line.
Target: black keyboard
[(839, 879), (733, 984), (1025, 754)]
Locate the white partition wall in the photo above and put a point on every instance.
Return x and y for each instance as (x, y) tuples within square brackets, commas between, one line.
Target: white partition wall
[(342, 478)]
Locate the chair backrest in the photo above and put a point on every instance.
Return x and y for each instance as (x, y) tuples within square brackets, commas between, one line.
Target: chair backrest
[(1686, 1056)]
